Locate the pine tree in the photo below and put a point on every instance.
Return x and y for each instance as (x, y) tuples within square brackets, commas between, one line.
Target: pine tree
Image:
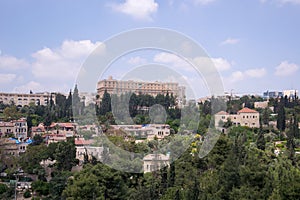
[(290, 140), (261, 143)]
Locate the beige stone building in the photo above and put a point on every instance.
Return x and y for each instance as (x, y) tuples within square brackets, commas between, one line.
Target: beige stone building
[(244, 117), (153, 162), (113, 86), (21, 100), (145, 132), (18, 128)]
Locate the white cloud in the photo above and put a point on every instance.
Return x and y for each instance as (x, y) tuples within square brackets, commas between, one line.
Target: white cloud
[(285, 69), (12, 63), (230, 41), (290, 1), (250, 73), (256, 73), (221, 64), (138, 9), (171, 59), (62, 63), (236, 76), (281, 2), (137, 60), (7, 78), (32, 85), (203, 2)]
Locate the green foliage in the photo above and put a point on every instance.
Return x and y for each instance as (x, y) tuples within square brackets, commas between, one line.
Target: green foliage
[(27, 194), (96, 182), (65, 155), (3, 188), (41, 187)]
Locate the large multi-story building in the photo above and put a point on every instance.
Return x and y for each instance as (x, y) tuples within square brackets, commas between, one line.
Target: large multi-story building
[(21, 100), (113, 86), (244, 117)]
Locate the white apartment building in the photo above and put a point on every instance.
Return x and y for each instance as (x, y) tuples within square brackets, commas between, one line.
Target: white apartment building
[(21, 100), (244, 117)]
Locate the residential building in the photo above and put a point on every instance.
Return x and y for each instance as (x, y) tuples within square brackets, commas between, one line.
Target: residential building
[(6, 129), (84, 147), (145, 132), (67, 129), (16, 128), (261, 104), (244, 117), (38, 130), (21, 100), (113, 86), (153, 162), (21, 128)]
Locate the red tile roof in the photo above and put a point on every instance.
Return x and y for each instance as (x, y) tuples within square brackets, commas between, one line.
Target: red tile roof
[(247, 110)]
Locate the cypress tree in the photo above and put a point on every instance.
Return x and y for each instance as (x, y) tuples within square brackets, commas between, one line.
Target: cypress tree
[(281, 116), (261, 143)]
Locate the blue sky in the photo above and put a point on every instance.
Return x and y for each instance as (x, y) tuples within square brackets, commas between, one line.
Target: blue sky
[(254, 44)]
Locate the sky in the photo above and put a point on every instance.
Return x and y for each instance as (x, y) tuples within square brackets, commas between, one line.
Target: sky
[(253, 44)]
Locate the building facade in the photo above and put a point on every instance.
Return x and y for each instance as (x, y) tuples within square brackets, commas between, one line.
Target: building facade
[(244, 117), (145, 132), (21, 100), (153, 162), (113, 86), (15, 128)]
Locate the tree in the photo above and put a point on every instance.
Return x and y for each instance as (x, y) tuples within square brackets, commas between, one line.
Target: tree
[(65, 155), (77, 106), (260, 142), (281, 116), (105, 105)]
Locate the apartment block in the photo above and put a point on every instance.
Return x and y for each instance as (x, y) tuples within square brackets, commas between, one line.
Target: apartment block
[(21, 100), (113, 86)]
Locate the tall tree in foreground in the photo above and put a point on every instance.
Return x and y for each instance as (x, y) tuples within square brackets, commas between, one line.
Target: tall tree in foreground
[(261, 143), (281, 116)]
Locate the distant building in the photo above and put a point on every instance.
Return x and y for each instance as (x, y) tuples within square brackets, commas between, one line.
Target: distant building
[(113, 86), (88, 98), (21, 100), (290, 93), (38, 130), (153, 162), (67, 129), (244, 117), (145, 132), (261, 104), (272, 94)]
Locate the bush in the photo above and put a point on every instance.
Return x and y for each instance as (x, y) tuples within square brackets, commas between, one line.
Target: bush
[(3, 188), (27, 194)]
